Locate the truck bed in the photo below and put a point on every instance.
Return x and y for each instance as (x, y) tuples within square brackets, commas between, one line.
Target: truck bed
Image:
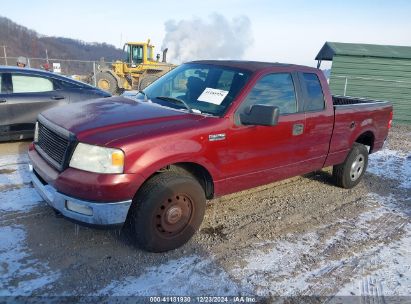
[(339, 100), (355, 117)]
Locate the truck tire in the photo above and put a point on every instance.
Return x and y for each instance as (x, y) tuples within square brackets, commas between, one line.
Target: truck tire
[(167, 211), (146, 81), (350, 172), (107, 82)]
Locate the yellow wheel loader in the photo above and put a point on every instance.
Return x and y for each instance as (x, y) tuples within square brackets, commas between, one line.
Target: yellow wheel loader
[(135, 73)]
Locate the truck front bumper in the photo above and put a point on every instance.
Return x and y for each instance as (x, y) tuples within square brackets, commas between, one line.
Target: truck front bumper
[(107, 213)]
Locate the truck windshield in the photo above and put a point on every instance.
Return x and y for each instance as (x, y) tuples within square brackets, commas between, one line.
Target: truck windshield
[(198, 88)]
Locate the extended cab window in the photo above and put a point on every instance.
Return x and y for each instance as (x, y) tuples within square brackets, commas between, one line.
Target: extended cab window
[(314, 97), (30, 84), (275, 90)]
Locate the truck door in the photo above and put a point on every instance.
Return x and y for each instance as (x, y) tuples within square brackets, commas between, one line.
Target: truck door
[(261, 154)]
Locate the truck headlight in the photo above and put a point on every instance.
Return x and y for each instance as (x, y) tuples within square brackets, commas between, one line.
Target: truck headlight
[(97, 159)]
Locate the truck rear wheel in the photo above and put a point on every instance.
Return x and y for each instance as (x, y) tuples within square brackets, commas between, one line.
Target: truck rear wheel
[(350, 172), (107, 82), (167, 211)]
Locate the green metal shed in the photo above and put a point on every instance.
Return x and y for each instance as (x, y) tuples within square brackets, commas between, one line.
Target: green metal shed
[(374, 71)]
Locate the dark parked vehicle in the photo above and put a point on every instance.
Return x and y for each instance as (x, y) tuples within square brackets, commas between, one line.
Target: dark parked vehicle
[(24, 93)]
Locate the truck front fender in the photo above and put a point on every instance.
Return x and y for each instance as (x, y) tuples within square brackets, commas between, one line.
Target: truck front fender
[(170, 153)]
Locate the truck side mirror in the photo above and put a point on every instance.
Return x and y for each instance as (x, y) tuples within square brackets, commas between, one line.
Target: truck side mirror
[(260, 115)]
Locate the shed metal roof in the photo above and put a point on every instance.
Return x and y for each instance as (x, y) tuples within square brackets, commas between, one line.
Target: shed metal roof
[(330, 49)]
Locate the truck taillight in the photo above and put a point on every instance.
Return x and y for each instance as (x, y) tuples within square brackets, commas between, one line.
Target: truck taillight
[(390, 120)]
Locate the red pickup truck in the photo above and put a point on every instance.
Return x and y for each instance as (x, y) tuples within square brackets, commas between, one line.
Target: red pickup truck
[(205, 129)]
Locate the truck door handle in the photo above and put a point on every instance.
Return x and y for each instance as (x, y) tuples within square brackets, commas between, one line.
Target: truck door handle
[(3, 100), (57, 97), (298, 129)]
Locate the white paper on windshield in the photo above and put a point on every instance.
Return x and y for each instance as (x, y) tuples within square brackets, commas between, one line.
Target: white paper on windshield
[(214, 96)]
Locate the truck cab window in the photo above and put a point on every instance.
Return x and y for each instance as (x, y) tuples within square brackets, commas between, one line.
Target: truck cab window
[(127, 51), (137, 54), (275, 90), (314, 97)]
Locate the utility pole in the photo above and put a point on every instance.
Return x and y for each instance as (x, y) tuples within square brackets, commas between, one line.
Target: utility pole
[(5, 53), (47, 57)]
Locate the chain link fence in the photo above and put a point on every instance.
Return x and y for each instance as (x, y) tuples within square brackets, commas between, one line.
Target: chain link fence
[(82, 70)]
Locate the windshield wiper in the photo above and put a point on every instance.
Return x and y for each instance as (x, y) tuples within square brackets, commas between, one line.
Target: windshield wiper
[(176, 100)]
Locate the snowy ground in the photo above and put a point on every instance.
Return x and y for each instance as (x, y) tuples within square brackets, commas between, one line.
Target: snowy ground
[(20, 273), (363, 252)]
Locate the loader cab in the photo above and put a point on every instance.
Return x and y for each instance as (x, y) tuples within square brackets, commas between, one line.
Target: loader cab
[(138, 53)]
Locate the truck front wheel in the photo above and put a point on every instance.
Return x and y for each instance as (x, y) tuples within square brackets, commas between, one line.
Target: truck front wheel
[(349, 173), (167, 211)]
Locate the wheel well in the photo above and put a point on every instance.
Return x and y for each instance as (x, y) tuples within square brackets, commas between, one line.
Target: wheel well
[(197, 171), (367, 138)]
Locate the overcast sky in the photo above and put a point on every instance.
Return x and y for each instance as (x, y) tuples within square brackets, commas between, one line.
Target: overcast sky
[(283, 31)]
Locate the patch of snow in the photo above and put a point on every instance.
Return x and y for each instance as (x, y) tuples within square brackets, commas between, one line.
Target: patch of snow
[(14, 159), (14, 174), (391, 164), (308, 264), (186, 276), (14, 169), (273, 269), (20, 274), (386, 273), (19, 196), (22, 200)]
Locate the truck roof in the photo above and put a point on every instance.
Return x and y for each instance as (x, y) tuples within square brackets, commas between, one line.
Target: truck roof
[(249, 65)]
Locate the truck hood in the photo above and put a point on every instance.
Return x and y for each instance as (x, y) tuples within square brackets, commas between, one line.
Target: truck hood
[(101, 121)]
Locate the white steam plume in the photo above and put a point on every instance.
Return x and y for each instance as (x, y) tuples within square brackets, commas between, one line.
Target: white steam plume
[(214, 38)]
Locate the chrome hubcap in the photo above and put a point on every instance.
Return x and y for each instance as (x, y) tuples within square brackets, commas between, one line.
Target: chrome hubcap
[(357, 167)]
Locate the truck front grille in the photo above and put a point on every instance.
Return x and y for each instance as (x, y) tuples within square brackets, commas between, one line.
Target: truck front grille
[(54, 147)]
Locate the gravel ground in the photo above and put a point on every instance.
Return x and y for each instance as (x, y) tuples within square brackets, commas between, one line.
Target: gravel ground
[(299, 237)]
